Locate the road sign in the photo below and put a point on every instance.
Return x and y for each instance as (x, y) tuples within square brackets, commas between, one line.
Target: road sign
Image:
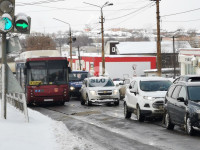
[(13, 85), (13, 45)]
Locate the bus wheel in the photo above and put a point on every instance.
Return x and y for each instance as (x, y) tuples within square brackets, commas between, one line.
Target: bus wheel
[(62, 103)]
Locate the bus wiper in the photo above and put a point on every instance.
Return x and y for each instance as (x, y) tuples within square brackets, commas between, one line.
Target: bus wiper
[(39, 84)]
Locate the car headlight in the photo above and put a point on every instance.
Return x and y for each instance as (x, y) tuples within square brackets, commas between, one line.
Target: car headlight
[(72, 88), (93, 92), (115, 92), (198, 113), (149, 98)]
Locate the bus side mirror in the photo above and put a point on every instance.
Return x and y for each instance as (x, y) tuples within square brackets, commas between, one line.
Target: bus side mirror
[(69, 70)]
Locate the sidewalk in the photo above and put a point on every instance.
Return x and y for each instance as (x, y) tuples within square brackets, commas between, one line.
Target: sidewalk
[(41, 133)]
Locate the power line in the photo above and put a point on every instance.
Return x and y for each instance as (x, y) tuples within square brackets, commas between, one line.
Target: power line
[(131, 12), (184, 20), (56, 8), (180, 12), (132, 16), (38, 2)]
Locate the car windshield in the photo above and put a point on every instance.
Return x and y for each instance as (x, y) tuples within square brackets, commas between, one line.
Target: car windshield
[(77, 76), (155, 85), (193, 93), (100, 82)]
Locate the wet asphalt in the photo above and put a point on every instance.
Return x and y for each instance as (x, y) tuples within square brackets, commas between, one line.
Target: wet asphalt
[(104, 127)]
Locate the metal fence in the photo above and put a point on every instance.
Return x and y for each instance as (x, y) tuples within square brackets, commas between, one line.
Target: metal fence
[(18, 100)]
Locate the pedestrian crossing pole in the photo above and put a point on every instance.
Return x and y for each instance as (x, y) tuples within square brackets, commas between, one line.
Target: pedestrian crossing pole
[(3, 78)]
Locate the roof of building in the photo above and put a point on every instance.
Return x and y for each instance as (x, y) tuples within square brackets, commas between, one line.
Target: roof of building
[(149, 47)]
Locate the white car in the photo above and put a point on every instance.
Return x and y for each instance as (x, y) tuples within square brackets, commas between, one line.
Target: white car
[(99, 90), (145, 97)]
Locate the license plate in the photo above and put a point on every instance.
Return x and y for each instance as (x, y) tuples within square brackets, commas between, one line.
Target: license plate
[(48, 100)]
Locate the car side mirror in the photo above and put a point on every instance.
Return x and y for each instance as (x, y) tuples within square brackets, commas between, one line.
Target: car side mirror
[(130, 87), (135, 93), (180, 99)]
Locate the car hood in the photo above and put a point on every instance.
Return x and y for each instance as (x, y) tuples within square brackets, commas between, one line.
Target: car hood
[(101, 88), (76, 84), (196, 104), (154, 93)]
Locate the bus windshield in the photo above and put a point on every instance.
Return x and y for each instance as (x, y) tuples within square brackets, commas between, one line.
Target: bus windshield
[(47, 72)]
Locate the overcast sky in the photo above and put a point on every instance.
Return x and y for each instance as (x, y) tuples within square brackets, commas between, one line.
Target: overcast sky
[(123, 14)]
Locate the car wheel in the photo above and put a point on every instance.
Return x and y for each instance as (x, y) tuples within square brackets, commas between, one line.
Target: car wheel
[(189, 128), (88, 101), (116, 103), (127, 113), (140, 117), (82, 101), (168, 124)]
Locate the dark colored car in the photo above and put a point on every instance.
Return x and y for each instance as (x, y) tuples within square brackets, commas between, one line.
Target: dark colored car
[(75, 82), (187, 78), (182, 106)]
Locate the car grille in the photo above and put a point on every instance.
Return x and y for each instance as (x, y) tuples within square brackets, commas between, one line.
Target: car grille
[(158, 105), (105, 92)]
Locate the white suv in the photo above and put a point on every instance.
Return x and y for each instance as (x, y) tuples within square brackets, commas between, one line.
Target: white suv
[(145, 97), (99, 90)]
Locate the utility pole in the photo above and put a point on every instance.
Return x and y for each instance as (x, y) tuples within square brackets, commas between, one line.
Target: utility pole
[(102, 38), (159, 62), (79, 57), (174, 55), (70, 44), (70, 39), (102, 32)]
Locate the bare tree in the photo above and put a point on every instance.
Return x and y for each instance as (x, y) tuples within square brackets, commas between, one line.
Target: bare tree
[(38, 41)]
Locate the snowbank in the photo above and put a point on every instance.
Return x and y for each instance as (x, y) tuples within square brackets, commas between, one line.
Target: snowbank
[(41, 133)]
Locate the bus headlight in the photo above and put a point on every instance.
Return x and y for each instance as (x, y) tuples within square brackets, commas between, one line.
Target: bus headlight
[(93, 92), (72, 88)]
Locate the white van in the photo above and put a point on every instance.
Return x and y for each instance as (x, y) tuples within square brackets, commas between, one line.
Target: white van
[(145, 97)]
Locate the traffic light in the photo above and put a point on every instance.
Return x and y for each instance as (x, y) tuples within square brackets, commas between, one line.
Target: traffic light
[(22, 23), (7, 10)]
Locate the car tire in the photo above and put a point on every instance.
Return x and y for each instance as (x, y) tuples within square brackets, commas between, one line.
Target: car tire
[(82, 101), (88, 101), (168, 124), (127, 113), (189, 128), (116, 103), (140, 117)]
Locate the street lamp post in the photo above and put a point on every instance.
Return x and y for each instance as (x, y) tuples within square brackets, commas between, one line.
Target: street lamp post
[(70, 40), (102, 32)]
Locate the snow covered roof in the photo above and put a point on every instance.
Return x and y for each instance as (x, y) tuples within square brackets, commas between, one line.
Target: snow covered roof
[(149, 47)]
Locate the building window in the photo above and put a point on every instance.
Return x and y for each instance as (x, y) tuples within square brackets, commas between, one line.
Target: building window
[(189, 69)]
